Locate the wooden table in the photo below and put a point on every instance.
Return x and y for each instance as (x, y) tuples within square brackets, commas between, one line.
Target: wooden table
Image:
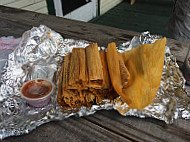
[(103, 125)]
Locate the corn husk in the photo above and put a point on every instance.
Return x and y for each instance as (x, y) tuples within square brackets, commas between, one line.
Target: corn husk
[(145, 65)]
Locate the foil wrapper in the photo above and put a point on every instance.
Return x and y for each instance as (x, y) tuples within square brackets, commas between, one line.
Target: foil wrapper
[(40, 54)]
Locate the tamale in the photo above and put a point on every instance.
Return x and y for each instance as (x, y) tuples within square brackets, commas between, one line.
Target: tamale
[(106, 78), (94, 65), (83, 75), (77, 70), (74, 68), (145, 65), (73, 98), (117, 70), (123, 72), (79, 100), (102, 95), (89, 97), (64, 99), (59, 96), (67, 98), (100, 92), (66, 66)]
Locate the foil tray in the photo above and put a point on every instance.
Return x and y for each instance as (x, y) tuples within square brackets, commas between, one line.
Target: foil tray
[(39, 55)]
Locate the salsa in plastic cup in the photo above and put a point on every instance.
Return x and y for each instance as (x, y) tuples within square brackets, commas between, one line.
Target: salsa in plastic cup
[(37, 92)]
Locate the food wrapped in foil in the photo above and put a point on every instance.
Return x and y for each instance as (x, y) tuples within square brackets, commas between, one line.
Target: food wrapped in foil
[(40, 54)]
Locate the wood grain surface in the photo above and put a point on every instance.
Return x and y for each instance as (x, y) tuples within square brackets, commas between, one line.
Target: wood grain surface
[(103, 125)]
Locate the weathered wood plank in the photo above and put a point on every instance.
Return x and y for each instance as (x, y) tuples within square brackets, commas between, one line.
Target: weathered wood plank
[(148, 129), (108, 126), (72, 129), (10, 28)]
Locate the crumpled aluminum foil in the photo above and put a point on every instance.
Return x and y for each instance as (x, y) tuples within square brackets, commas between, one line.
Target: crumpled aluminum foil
[(39, 55)]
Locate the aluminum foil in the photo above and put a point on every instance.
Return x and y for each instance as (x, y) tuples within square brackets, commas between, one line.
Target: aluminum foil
[(40, 54)]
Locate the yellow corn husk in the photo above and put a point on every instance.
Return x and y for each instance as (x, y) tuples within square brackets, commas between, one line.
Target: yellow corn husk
[(145, 65), (118, 72)]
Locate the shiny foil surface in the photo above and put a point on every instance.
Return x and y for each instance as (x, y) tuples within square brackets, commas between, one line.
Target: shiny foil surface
[(40, 54)]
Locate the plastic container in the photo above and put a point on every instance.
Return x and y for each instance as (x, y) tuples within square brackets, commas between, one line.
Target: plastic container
[(37, 92)]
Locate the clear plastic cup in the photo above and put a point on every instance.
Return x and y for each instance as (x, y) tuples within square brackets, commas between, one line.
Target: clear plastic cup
[(37, 92)]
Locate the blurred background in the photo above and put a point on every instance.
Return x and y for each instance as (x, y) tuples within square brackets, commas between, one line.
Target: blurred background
[(142, 15)]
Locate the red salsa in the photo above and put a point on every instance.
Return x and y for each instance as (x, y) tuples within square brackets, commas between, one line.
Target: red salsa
[(36, 88)]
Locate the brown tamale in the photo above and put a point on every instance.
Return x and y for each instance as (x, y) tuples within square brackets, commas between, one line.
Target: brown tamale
[(89, 97), (64, 99), (92, 97), (94, 65), (101, 95), (103, 92), (73, 98), (106, 78), (99, 92), (83, 75), (66, 66), (77, 69), (79, 99), (59, 97), (67, 97)]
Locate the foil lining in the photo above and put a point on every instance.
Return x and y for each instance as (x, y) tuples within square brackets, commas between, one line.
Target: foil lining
[(40, 54)]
